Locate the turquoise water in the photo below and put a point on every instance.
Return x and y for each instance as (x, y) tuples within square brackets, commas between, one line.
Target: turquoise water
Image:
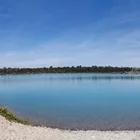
[(75, 101)]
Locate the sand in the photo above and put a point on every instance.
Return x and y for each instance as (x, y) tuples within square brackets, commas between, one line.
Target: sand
[(15, 131)]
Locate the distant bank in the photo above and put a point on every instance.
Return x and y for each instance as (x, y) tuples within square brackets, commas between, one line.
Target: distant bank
[(73, 69)]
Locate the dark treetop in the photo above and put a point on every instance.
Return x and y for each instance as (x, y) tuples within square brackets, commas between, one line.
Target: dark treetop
[(77, 69)]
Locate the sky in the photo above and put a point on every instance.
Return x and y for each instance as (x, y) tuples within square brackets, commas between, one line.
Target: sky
[(43, 33)]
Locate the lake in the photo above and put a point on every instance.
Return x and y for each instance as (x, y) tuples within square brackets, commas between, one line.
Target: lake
[(75, 101)]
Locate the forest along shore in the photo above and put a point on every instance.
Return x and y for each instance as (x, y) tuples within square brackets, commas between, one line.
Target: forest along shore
[(72, 69)]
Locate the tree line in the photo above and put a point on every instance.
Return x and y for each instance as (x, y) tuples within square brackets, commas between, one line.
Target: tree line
[(73, 69)]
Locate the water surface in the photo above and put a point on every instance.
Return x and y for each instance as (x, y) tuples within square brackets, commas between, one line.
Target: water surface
[(75, 101)]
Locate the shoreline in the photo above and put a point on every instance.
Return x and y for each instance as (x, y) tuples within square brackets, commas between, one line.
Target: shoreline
[(111, 129), (16, 131), (125, 73), (10, 116)]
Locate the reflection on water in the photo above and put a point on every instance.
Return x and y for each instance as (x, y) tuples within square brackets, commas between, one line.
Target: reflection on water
[(75, 101), (69, 77)]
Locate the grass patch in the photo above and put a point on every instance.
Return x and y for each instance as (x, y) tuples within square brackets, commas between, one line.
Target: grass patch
[(10, 116)]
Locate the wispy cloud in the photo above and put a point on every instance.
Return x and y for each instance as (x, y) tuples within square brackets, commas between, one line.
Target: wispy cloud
[(112, 49), (111, 40)]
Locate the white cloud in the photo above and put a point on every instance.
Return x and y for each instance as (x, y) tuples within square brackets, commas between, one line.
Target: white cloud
[(103, 43)]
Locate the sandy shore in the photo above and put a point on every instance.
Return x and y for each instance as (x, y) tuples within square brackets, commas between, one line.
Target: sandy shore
[(14, 131)]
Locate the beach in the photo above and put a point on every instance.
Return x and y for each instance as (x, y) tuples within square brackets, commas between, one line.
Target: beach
[(15, 131)]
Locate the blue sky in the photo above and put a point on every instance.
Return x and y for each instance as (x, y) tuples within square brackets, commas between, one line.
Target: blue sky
[(38, 33)]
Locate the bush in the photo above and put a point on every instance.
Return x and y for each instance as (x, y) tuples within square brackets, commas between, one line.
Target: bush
[(5, 112)]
